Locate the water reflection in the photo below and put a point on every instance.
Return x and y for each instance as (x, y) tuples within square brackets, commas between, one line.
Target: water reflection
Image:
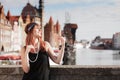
[(97, 57), (116, 56)]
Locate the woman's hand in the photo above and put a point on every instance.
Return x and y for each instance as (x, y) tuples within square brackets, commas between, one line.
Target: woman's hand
[(29, 48), (62, 40)]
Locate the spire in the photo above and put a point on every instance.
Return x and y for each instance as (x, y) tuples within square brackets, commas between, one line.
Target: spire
[(8, 15), (28, 1), (0, 4), (57, 27), (41, 6), (50, 20), (57, 23)]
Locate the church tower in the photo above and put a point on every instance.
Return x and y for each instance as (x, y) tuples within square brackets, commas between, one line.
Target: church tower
[(41, 7)]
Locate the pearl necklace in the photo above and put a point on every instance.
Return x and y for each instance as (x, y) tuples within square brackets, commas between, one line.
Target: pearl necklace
[(37, 52)]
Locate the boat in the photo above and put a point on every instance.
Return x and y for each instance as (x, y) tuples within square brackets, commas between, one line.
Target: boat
[(97, 45)]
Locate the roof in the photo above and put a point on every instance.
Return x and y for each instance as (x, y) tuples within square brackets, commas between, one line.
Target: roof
[(1, 7), (29, 10), (71, 25)]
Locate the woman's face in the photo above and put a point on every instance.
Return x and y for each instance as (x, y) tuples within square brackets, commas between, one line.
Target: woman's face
[(37, 32)]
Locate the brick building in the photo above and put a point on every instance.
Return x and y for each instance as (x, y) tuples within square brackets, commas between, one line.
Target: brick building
[(51, 32)]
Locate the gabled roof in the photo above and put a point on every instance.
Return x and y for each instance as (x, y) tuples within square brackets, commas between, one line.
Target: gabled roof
[(57, 26), (50, 20)]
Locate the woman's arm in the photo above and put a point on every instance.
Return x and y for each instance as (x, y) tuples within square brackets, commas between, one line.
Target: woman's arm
[(57, 58), (24, 58)]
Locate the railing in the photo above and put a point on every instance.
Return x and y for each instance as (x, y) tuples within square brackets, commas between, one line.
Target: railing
[(66, 72)]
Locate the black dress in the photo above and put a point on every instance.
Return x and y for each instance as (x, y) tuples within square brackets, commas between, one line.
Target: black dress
[(39, 70)]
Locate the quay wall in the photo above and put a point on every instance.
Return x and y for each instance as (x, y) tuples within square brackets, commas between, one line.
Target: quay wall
[(66, 72)]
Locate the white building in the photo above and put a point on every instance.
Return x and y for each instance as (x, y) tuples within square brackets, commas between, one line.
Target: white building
[(116, 40)]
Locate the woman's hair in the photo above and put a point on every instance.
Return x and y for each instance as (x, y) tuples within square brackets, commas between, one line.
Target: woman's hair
[(29, 38)]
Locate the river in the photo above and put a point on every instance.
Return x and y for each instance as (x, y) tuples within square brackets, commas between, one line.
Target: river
[(88, 56)]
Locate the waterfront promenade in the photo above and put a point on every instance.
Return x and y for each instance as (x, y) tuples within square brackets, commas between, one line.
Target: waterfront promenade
[(90, 65)]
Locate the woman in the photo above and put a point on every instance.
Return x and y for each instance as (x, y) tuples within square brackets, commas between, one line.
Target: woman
[(34, 55)]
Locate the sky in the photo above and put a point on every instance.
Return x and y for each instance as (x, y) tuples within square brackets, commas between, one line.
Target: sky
[(93, 17)]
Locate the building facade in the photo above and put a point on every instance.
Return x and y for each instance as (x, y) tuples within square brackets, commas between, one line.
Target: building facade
[(116, 41), (15, 34), (12, 35), (5, 32)]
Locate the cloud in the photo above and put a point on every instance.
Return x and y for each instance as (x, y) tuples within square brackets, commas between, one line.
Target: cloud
[(52, 2), (17, 3), (92, 14), (60, 2), (93, 19)]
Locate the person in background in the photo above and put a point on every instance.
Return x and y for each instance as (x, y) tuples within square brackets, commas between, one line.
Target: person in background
[(35, 54)]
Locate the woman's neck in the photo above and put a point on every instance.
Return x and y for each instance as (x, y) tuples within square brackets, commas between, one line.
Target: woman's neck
[(36, 41), (36, 44)]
